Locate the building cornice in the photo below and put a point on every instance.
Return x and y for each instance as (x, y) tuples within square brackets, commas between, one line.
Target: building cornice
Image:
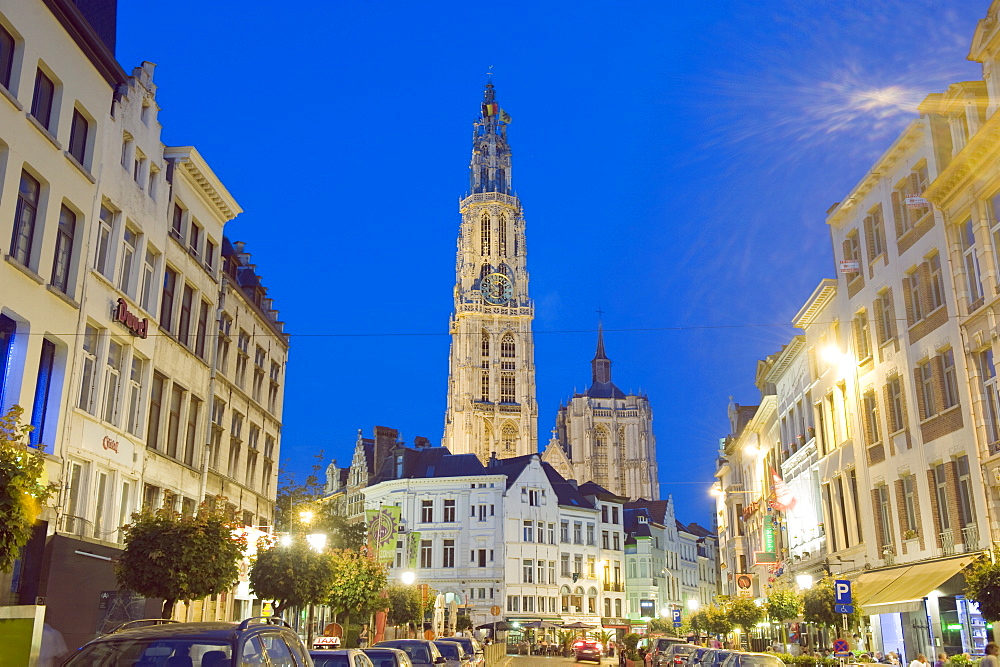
[(97, 52), (821, 297), (885, 164), (785, 358), (969, 164), (208, 184), (986, 35)]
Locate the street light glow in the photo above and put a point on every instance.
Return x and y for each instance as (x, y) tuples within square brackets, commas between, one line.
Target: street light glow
[(306, 516), (693, 604), (408, 577), (804, 581), (316, 541)]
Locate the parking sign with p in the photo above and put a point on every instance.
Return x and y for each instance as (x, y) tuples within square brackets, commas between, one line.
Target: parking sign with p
[(842, 591)]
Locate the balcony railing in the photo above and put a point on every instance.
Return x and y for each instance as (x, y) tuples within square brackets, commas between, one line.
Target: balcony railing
[(613, 586), (947, 543), (970, 537), (888, 555)]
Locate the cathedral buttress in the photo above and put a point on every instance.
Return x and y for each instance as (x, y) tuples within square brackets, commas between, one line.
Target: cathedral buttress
[(491, 379)]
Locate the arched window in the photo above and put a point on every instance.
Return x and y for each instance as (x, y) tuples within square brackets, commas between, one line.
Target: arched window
[(618, 607), (508, 348), (508, 440), (601, 456), (484, 233), (501, 180), (485, 345), (484, 383), (502, 234), (487, 437), (607, 607)]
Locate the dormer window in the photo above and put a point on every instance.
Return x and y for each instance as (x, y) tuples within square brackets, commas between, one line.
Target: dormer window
[(642, 518)]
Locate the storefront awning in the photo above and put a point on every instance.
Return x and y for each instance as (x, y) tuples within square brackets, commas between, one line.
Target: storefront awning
[(903, 588)]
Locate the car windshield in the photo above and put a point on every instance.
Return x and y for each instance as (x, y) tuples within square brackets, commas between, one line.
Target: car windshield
[(465, 642), (682, 649), (449, 650), (153, 653)]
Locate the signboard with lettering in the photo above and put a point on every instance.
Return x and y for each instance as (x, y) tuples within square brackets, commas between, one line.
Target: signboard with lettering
[(382, 525), (131, 321), (647, 608), (915, 201), (849, 266), (107, 443), (744, 585)]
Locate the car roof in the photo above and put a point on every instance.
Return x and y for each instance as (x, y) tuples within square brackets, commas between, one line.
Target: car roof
[(216, 630)]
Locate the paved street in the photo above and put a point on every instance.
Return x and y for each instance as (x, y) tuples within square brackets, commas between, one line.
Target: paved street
[(541, 661)]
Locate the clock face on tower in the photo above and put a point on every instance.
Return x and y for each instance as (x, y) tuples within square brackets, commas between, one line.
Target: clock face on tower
[(497, 289)]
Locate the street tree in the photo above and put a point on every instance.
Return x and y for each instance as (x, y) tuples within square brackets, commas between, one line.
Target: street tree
[(982, 585), (405, 606), (817, 604), (783, 604), (463, 623), (292, 575), (744, 612), (22, 491), (358, 582), (717, 621), (175, 557)]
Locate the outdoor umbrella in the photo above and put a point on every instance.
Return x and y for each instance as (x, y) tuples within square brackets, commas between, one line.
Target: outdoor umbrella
[(539, 625), (499, 626), (578, 626)]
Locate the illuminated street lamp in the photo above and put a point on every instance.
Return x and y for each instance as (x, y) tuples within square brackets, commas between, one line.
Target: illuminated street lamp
[(316, 541), (804, 581), (306, 517), (408, 577), (693, 604)]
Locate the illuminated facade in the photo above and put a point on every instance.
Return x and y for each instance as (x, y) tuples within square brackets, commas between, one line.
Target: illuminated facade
[(491, 378)]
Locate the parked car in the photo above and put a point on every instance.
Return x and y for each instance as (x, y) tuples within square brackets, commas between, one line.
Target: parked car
[(420, 651), (675, 655), (340, 657), (382, 656), (588, 649), (739, 659), (472, 647), (659, 646), (163, 643), (696, 657), (715, 657), (453, 653)]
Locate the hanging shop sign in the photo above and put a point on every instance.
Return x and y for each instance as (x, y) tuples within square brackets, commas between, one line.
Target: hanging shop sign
[(131, 321)]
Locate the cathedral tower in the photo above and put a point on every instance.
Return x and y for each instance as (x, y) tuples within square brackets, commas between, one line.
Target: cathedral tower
[(606, 436), (491, 379)]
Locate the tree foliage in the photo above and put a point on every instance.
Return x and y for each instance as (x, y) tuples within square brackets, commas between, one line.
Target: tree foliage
[(744, 612), (405, 605), (631, 642), (175, 557), (21, 491), (291, 575), (717, 621), (697, 621), (783, 604), (817, 604), (660, 625), (982, 585), (358, 582)]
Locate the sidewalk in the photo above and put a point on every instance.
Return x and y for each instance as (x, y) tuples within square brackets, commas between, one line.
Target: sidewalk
[(526, 660)]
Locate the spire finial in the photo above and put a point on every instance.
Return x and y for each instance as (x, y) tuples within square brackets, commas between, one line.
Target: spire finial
[(601, 365)]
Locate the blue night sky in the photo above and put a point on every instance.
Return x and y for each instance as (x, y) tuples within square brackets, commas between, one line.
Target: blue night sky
[(674, 159)]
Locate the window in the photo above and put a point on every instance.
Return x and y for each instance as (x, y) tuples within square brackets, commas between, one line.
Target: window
[(190, 436), (941, 491), (508, 440), (564, 531), (590, 534), (616, 541), (88, 379), (870, 405), (949, 379), (564, 565), (529, 532), (201, 331), (129, 243), (167, 297), (209, 255), (925, 377), (272, 391), (913, 185), (507, 387), (6, 57), (552, 533), (885, 312), (528, 570), (102, 258), (502, 235), (449, 554), (41, 102), (25, 218), (242, 356), (184, 321), (63, 259), (605, 540), (194, 238), (147, 291), (151, 180), (973, 280), (177, 221), (614, 514), (481, 557), (174, 419), (139, 167), (484, 234), (155, 409), (909, 504), (852, 251), (426, 511), (235, 442), (862, 335), (449, 510), (965, 508), (990, 396), (577, 532), (514, 603), (260, 358), (79, 130), (540, 532), (533, 497), (897, 414), (222, 343), (218, 416), (936, 279), (126, 149), (426, 553), (875, 233), (484, 382), (911, 292), (43, 385), (134, 420)]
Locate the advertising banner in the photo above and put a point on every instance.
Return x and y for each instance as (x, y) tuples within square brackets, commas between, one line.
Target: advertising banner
[(382, 526)]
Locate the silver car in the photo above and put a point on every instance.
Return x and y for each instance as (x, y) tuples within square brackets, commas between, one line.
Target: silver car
[(453, 653)]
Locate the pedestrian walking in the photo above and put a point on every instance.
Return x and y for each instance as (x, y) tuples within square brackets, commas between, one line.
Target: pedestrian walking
[(990, 659)]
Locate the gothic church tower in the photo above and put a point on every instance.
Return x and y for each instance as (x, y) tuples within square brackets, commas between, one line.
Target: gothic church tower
[(491, 379), (606, 436)]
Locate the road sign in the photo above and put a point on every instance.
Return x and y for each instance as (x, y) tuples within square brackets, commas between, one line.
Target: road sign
[(676, 613), (844, 608), (495, 610), (842, 591), (841, 648)]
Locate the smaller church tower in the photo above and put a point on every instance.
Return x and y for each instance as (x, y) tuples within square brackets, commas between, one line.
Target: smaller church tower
[(606, 436)]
